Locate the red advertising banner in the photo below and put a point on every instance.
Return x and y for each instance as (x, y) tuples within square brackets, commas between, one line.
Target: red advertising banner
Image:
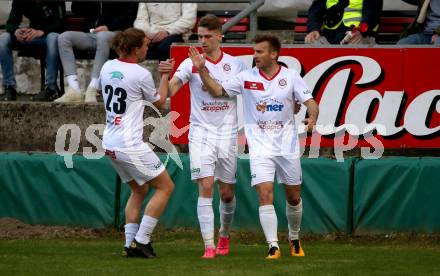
[(386, 95)]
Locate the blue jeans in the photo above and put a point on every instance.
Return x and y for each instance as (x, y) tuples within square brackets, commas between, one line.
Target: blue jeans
[(49, 42), (416, 39)]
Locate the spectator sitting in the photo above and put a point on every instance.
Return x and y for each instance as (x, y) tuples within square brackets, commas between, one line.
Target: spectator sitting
[(343, 21), (426, 27), (164, 23), (102, 20), (47, 19)]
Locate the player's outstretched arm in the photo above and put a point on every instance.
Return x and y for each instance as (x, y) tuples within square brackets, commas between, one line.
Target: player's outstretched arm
[(313, 112), (174, 85), (164, 83), (214, 88)]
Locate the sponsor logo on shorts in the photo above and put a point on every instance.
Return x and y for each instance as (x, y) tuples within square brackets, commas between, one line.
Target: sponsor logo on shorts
[(195, 170), (158, 165), (253, 175)]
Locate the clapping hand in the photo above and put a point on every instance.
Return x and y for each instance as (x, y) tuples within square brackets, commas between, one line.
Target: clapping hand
[(197, 59)]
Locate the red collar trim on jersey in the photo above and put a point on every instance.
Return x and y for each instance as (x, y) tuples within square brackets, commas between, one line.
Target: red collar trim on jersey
[(217, 61), (126, 60), (269, 79)]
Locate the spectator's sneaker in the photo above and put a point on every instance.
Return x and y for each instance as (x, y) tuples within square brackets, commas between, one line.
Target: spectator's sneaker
[(273, 253), (10, 94), (222, 246), (296, 249), (142, 250), (90, 96), (47, 95), (71, 96), (209, 253)]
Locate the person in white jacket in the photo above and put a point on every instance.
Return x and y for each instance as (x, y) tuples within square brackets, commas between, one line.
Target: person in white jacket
[(164, 23)]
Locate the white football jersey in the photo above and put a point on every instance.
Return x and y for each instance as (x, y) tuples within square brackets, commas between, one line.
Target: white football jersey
[(124, 86), (268, 109), (211, 117)]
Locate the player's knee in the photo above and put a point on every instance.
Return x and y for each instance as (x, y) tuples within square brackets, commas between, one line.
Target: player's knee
[(293, 199), (266, 198), (206, 187), (227, 196), (168, 188)]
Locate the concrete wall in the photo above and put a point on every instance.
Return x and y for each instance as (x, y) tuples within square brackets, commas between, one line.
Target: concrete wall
[(28, 126)]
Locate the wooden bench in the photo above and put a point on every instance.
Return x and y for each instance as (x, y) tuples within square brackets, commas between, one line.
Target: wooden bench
[(391, 25), (237, 32)]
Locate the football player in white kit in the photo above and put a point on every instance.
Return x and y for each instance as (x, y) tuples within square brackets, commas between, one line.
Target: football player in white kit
[(269, 92), (127, 88), (212, 135)]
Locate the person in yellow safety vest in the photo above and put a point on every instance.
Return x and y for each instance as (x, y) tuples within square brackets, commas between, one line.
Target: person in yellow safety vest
[(343, 21)]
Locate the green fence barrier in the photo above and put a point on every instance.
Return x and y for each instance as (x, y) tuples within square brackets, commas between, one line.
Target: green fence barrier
[(389, 194), (326, 202), (39, 189), (397, 194)]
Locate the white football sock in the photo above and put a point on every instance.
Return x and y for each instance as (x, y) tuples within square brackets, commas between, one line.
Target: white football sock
[(269, 223), (227, 211), (206, 220), (294, 216), (130, 232), (146, 229)]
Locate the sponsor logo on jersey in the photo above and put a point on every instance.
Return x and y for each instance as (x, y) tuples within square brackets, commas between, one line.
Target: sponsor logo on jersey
[(226, 67), (214, 106), (282, 83), (116, 75), (263, 106), (118, 120), (251, 85), (270, 124)]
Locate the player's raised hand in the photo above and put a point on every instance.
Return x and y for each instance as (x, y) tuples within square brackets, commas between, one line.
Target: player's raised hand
[(166, 67), (197, 59)]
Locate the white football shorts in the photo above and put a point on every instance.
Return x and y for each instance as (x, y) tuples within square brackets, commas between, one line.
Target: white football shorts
[(140, 166), (213, 157), (288, 170)]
